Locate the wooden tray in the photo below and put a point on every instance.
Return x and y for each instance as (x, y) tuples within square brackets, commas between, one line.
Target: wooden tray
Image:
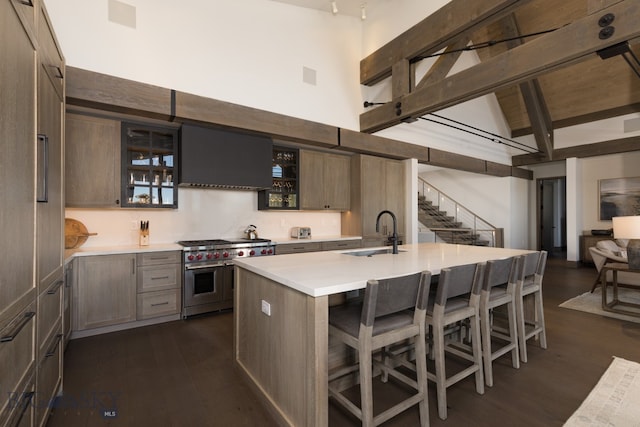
[(75, 233)]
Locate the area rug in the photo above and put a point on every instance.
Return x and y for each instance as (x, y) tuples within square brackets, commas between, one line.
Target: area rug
[(592, 303), (614, 401)]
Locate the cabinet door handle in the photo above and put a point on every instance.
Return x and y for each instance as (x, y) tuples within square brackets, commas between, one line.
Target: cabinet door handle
[(54, 347), (26, 2), (42, 169), (55, 288), (160, 303), (160, 278), (16, 330), (133, 266), (59, 74)]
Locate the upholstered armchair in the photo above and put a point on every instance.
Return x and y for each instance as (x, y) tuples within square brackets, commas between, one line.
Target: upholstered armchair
[(609, 251)]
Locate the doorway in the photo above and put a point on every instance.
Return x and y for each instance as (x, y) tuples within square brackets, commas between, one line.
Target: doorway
[(552, 216)]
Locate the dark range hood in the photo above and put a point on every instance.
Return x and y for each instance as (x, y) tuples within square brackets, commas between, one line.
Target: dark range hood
[(214, 158)]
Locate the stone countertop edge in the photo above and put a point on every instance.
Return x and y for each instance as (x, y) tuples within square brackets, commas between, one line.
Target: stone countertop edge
[(70, 254), (293, 240)]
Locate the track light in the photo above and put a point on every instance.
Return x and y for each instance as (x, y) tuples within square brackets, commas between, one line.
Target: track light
[(334, 7), (363, 12)]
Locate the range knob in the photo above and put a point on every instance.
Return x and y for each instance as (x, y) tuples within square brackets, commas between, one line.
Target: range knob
[(270, 251), (216, 255), (190, 257), (209, 255), (241, 253), (226, 254), (199, 256), (252, 252), (263, 252)]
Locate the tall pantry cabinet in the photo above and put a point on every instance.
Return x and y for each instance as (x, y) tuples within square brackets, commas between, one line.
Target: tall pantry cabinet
[(31, 213)]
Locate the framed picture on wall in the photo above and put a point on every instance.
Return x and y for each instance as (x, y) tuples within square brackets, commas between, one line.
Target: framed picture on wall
[(619, 197)]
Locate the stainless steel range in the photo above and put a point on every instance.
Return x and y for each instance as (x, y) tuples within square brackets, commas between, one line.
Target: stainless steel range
[(208, 271)]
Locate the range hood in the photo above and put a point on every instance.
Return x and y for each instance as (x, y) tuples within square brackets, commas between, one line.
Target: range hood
[(214, 158)]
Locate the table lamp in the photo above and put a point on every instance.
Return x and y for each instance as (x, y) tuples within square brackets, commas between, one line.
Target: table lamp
[(628, 227)]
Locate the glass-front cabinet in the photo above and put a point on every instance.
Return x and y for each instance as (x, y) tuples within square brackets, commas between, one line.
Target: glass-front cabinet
[(283, 193), (149, 162)]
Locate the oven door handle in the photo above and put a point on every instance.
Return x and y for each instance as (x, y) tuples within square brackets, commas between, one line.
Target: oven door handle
[(201, 267)]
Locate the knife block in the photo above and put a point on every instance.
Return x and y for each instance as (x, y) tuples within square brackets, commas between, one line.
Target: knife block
[(144, 237)]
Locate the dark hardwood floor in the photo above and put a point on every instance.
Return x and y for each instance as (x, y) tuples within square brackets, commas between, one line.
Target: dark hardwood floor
[(181, 373)]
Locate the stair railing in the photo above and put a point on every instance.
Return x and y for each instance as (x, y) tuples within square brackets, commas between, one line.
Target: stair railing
[(469, 221)]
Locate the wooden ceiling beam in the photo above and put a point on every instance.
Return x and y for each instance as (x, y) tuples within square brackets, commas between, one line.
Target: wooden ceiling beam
[(433, 33), (444, 63), (565, 46), (615, 146), (531, 92)]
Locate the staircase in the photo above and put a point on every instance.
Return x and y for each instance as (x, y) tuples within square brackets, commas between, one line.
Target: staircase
[(462, 227)]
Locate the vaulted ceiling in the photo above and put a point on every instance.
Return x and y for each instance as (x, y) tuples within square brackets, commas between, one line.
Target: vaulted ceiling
[(555, 78)]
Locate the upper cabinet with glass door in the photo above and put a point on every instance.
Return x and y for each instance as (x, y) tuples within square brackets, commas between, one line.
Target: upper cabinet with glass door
[(149, 166)]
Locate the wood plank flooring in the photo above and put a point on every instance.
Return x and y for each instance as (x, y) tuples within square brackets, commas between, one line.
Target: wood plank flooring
[(181, 373)]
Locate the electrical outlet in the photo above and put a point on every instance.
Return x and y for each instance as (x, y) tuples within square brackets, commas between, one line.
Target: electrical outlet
[(266, 308)]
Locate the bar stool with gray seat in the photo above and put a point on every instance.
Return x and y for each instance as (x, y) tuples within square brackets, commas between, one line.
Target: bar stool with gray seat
[(498, 290), (456, 300), (530, 283), (393, 311)]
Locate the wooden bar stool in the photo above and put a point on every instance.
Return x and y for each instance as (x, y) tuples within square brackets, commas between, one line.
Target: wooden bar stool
[(530, 283), (456, 300), (499, 289), (393, 311)]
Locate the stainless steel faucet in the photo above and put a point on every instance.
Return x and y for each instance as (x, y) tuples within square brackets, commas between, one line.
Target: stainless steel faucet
[(394, 236)]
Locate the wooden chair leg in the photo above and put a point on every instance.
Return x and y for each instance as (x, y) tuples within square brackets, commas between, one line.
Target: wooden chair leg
[(522, 341), (477, 353), (441, 376), (540, 320), (485, 324), (421, 376), (513, 335), (366, 387)]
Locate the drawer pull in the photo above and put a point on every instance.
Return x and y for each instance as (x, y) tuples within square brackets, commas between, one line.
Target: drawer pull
[(59, 74), (160, 303), (55, 288), (26, 2), (24, 405), (160, 278), (13, 334), (54, 348)]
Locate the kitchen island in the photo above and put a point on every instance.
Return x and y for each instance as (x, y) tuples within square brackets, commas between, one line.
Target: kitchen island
[(281, 316)]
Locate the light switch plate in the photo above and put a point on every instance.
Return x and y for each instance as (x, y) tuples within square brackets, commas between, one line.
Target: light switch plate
[(266, 308)]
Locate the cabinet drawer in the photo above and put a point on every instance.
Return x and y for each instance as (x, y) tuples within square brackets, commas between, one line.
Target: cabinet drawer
[(21, 411), (17, 352), (341, 244), (159, 258), (159, 303), (49, 375), (49, 310), (292, 248), (156, 278)]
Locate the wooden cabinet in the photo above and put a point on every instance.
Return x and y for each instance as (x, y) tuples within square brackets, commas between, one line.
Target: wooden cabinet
[(159, 284), (105, 291), (324, 181), (283, 194), (587, 241), (377, 184), (92, 162), (332, 245), (149, 155)]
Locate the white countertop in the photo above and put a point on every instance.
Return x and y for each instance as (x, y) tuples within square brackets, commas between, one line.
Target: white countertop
[(325, 273), (121, 249), (292, 240)]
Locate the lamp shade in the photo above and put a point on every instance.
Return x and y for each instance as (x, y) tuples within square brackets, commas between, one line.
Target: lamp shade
[(626, 227)]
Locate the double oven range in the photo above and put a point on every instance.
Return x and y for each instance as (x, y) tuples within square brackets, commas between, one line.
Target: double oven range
[(208, 271)]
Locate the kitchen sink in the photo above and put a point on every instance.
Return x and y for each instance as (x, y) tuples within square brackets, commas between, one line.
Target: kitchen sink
[(372, 252)]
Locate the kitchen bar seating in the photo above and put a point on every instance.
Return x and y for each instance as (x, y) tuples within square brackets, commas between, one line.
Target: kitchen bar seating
[(498, 290), (530, 283), (456, 300), (393, 311)]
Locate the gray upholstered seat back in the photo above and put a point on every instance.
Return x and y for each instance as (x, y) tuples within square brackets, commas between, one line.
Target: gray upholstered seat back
[(388, 296), (459, 280), (530, 264), (500, 271)]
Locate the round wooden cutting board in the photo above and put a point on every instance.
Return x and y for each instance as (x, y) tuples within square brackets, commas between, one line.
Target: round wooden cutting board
[(75, 233)]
